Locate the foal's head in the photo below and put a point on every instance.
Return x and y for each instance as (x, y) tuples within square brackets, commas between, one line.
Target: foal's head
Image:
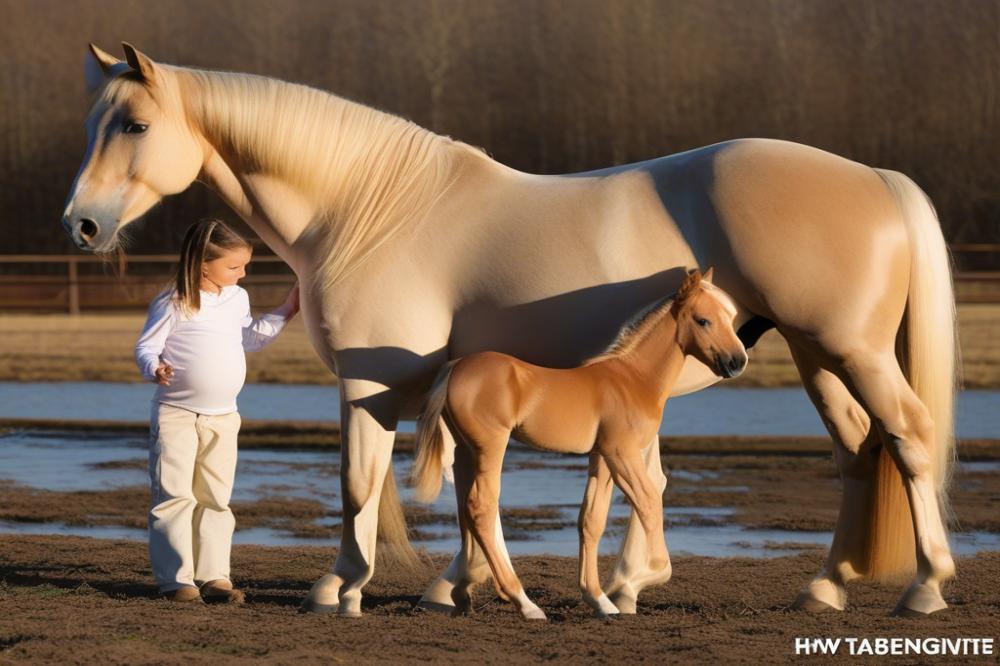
[(140, 148), (705, 316)]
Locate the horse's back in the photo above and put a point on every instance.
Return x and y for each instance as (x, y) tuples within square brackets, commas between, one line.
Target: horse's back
[(799, 235)]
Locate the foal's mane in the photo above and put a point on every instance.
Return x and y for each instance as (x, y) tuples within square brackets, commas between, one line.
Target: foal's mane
[(645, 320), (372, 174)]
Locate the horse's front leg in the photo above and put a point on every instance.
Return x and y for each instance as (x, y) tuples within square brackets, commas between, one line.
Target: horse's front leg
[(633, 571), (365, 454)]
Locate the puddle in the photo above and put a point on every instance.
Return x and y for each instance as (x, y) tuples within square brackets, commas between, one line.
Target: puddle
[(748, 411), (532, 480)]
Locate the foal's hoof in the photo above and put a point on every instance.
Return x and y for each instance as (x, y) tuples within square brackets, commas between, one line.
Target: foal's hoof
[(535, 613), (433, 607), (919, 600), (624, 599), (310, 606)]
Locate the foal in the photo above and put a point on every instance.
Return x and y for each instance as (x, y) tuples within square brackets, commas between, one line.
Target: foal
[(610, 407)]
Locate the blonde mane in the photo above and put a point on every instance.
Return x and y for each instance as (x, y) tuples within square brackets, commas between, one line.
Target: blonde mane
[(638, 327), (372, 174), (635, 329)]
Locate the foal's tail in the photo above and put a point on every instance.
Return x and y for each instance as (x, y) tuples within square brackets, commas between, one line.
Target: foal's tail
[(928, 355), (431, 448)]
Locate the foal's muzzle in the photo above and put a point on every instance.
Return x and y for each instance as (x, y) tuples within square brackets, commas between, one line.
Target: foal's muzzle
[(730, 366)]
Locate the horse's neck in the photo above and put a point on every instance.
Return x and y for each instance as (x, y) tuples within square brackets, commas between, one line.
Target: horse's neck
[(657, 356), (342, 180)]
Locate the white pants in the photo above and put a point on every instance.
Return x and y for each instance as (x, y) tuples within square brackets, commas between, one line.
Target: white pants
[(192, 464)]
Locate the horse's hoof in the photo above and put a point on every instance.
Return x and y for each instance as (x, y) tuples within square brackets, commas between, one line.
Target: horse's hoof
[(604, 615), (310, 606), (433, 607), (919, 600), (822, 595), (807, 602), (624, 600), (350, 608)]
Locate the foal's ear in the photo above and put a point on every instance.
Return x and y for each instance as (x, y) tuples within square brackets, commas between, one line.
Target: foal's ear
[(140, 62), (100, 67), (707, 276)]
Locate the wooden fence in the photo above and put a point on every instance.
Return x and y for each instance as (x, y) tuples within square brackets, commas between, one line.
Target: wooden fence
[(75, 283)]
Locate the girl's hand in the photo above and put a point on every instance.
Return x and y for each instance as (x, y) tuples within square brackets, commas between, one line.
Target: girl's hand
[(291, 304), (164, 374)]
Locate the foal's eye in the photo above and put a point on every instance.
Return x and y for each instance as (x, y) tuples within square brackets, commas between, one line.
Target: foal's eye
[(132, 127), (703, 323)]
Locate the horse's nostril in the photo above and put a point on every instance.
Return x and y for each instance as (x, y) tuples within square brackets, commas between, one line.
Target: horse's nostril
[(88, 229)]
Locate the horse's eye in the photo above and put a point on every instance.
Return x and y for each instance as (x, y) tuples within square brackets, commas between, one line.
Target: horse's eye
[(703, 322), (132, 127)]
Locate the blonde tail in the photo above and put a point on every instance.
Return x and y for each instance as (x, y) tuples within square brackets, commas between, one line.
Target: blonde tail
[(429, 463), (928, 354), (392, 531)]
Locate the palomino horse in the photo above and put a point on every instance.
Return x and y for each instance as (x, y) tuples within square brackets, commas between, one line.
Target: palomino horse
[(610, 406), (413, 248)]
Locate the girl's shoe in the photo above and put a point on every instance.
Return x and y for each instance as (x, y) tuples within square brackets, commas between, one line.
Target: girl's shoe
[(221, 592), (186, 594)]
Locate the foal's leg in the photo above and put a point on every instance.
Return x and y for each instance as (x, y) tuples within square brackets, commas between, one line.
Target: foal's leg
[(593, 518), (853, 441), (481, 506), (879, 383), (633, 571), (465, 579)]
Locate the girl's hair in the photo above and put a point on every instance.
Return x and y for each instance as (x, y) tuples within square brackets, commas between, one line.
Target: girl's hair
[(204, 241)]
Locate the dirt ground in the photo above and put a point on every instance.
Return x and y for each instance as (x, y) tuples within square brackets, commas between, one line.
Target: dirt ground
[(78, 600), (94, 347)]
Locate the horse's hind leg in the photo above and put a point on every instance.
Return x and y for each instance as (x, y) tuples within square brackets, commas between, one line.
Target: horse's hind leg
[(593, 518), (879, 383), (481, 506), (628, 470), (633, 571), (853, 450), (469, 566)]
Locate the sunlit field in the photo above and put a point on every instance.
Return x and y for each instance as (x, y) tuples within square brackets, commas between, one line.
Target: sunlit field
[(99, 348)]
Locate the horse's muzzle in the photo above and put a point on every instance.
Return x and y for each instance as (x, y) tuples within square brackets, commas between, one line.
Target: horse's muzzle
[(85, 233), (729, 367)]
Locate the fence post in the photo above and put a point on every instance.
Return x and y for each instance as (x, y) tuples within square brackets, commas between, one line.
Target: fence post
[(73, 285)]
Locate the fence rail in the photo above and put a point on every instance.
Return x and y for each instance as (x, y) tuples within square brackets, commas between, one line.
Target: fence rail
[(72, 290)]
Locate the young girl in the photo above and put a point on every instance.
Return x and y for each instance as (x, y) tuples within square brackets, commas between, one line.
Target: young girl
[(192, 346)]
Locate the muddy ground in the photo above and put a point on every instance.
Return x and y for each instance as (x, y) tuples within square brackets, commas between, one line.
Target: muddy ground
[(79, 600)]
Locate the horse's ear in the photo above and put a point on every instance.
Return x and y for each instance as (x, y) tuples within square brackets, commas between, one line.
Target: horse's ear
[(98, 68), (688, 286), (707, 276), (140, 62)]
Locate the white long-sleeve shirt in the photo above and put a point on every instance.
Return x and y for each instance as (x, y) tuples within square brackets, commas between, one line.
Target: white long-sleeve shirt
[(205, 350)]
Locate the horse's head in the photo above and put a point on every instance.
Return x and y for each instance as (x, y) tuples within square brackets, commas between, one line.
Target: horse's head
[(140, 148), (705, 316)]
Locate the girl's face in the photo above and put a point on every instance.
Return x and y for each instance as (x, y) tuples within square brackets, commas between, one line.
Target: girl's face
[(225, 270)]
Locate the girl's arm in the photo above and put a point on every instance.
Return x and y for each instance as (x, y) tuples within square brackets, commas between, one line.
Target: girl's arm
[(159, 322), (259, 333)]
